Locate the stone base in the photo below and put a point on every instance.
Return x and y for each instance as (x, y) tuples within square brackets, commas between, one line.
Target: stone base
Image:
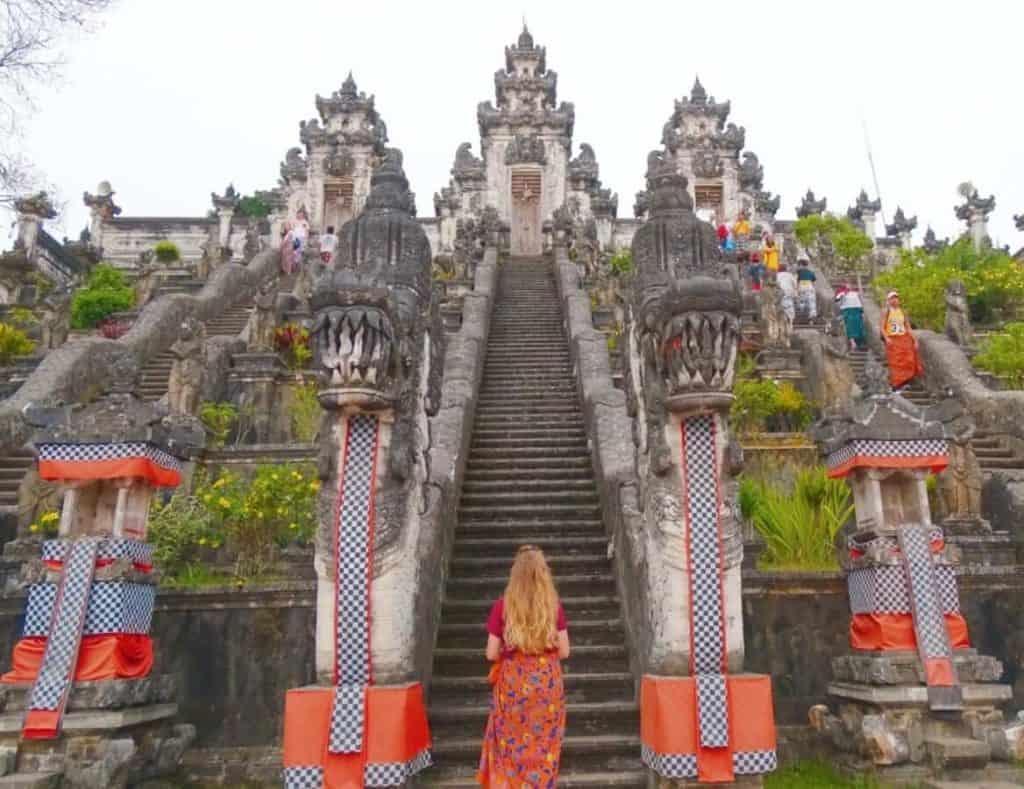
[(97, 748), (779, 363), (904, 668), (980, 547), (109, 694)]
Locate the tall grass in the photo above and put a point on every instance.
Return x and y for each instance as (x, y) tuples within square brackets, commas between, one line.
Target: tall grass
[(798, 524)]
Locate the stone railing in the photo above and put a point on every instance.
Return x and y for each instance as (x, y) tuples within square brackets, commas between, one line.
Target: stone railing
[(611, 445), (451, 430), (80, 368)]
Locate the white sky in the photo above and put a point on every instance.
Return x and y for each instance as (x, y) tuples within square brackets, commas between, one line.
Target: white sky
[(170, 100)]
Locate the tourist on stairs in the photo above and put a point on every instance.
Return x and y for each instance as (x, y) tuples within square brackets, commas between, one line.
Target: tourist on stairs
[(741, 231), (900, 344), (806, 297), (770, 254), (328, 246), (527, 638), (756, 272), (852, 310), (787, 290)]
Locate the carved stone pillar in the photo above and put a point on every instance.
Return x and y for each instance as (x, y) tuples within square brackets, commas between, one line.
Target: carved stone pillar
[(701, 717), (101, 209), (974, 211), (912, 690), (81, 672), (378, 344)]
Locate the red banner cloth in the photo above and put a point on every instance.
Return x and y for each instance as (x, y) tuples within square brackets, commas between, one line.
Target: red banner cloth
[(114, 468), (668, 721), (895, 632), (120, 656), (396, 731)]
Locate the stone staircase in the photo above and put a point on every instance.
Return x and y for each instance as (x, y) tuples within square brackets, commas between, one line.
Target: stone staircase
[(992, 450), (529, 480)]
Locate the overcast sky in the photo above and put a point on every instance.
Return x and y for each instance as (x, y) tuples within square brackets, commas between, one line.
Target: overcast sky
[(170, 100)]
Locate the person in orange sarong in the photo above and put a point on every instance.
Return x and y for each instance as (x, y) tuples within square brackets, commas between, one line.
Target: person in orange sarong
[(900, 344), (527, 638)]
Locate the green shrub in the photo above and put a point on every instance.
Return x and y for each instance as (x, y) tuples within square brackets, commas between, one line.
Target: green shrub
[(764, 405), (254, 207), (816, 775), (994, 283), (166, 251), (13, 342), (218, 419), (305, 413), (1003, 355), (21, 317), (848, 242), (248, 517), (799, 523), (104, 294), (621, 263)]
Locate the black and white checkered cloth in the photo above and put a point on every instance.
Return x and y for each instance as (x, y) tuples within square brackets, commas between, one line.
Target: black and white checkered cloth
[(929, 625), (396, 773), (92, 452), (883, 589), (110, 548), (50, 690), (114, 607), (303, 777), (712, 710), (684, 765), (754, 762), (903, 448), (353, 544)]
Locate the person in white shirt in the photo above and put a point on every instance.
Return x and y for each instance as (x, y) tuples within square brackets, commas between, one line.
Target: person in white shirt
[(787, 290), (328, 246)]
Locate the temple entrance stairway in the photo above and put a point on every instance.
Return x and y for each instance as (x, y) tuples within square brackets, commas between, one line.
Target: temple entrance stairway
[(993, 451), (529, 480)]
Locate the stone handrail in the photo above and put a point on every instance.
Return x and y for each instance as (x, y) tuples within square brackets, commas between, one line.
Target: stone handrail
[(80, 368)]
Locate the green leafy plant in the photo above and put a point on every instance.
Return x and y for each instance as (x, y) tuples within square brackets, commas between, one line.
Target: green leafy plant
[(166, 251), (13, 342), (821, 232), (761, 404), (218, 419), (42, 283), (293, 343), (248, 517), (305, 413), (799, 524), (994, 283), (105, 293), (1003, 354), (21, 317), (47, 524), (254, 207), (621, 263), (816, 775)]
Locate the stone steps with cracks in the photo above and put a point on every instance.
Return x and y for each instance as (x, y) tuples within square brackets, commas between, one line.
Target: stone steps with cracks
[(529, 479)]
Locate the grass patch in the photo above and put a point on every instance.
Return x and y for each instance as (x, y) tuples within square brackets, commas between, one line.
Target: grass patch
[(816, 775)]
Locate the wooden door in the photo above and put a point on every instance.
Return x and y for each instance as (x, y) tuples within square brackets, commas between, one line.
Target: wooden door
[(526, 227)]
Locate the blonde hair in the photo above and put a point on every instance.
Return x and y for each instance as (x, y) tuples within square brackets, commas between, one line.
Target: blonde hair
[(531, 603)]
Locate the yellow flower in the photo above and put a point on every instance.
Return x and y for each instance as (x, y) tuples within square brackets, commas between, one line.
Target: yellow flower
[(220, 483), (223, 502), (50, 517), (208, 498), (35, 527), (293, 526), (259, 513), (281, 510), (202, 541), (314, 485)]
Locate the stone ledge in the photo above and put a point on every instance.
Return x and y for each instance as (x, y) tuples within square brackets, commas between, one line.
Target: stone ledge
[(98, 720), (916, 695)]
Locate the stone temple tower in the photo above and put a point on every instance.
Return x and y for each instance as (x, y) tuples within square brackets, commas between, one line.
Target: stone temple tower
[(525, 141)]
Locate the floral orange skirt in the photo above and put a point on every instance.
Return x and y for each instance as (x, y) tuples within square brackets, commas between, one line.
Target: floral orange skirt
[(523, 742)]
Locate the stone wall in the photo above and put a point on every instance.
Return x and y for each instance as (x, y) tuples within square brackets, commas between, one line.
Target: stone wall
[(125, 238), (80, 368)]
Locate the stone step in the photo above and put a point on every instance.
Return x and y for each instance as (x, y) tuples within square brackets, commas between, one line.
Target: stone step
[(585, 632), (563, 546), (523, 468), (528, 409), (588, 717), (475, 610), (531, 442), (565, 501), (497, 561), (1013, 462), (508, 452), (493, 586), (525, 512), (566, 421), (510, 486), (456, 689), (527, 530)]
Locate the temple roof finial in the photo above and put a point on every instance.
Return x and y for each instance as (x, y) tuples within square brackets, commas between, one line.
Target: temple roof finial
[(698, 95), (525, 39), (348, 87)]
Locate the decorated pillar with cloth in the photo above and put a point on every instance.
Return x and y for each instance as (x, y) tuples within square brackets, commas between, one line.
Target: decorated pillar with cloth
[(912, 686), (702, 717), (378, 345), (91, 588)]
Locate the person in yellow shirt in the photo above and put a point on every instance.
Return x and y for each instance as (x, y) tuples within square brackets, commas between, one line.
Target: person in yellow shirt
[(900, 345), (741, 228), (770, 254)]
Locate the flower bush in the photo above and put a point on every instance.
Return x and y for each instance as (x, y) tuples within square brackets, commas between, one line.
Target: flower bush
[(47, 524), (994, 282), (166, 251), (799, 524), (765, 405), (293, 342), (13, 342), (249, 517), (105, 293), (1003, 354)]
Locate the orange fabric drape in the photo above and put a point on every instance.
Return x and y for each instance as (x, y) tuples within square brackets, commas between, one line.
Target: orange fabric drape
[(935, 463), (904, 361), (668, 721), (885, 632), (120, 656), (109, 469), (396, 730)]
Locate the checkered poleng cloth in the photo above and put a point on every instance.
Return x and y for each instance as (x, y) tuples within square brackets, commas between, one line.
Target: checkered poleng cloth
[(50, 690), (925, 602), (353, 555), (109, 548), (904, 448), (384, 774), (684, 765), (114, 607), (707, 615)]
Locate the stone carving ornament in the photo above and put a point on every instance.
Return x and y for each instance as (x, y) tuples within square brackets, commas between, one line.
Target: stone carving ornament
[(185, 385), (958, 321), (526, 149), (708, 164)]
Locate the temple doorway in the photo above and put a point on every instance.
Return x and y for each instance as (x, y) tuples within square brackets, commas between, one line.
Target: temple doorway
[(338, 203), (526, 227)]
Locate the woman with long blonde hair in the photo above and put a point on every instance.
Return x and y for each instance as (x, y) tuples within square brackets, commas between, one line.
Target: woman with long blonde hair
[(527, 637)]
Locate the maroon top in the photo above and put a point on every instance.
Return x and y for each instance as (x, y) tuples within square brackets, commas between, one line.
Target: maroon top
[(496, 620)]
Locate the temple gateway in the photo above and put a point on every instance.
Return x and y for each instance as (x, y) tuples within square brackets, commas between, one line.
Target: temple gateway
[(260, 493)]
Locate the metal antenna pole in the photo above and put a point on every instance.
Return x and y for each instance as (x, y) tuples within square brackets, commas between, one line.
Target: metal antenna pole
[(871, 162)]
